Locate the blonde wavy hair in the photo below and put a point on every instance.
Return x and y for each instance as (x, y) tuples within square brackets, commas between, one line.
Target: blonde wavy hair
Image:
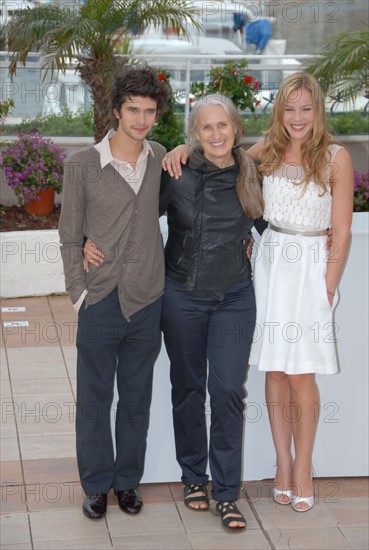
[(248, 184), (314, 152)]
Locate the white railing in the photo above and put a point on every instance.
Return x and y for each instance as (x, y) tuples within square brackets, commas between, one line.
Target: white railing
[(256, 63), (33, 96), (184, 68)]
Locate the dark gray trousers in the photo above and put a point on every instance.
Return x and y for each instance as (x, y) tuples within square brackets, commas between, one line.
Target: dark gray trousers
[(108, 345), (196, 329)]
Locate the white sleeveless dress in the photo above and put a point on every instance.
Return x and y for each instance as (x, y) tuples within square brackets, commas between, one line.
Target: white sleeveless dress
[(295, 332)]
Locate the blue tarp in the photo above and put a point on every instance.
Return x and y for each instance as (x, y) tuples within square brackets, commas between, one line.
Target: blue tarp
[(238, 22), (258, 33)]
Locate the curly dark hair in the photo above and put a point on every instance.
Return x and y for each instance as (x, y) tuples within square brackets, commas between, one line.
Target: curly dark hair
[(138, 80)]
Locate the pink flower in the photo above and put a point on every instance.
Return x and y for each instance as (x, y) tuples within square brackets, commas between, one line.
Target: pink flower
[(32, 163)]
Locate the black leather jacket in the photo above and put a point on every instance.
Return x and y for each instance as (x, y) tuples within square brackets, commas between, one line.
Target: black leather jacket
[(208, 230)]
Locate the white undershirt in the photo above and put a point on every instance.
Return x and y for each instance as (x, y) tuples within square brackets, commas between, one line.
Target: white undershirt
[(132, 173)]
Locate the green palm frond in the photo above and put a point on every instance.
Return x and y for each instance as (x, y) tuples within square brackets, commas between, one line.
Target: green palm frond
[(63, 32), (343, 69), (27, 31), (157, 13), (90, 34)]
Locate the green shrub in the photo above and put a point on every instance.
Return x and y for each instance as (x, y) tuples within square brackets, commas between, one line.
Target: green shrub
[(169, 129), (255, 125), (63, 124), (355, 122), (5, 107), (339, 124)]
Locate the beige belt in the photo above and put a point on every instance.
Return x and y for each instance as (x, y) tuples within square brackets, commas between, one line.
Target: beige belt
[(296, 232)]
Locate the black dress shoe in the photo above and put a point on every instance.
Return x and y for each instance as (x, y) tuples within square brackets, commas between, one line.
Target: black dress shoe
[(129, 501), (94, 506)]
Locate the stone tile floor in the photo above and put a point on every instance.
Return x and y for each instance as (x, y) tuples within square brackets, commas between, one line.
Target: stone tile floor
[(41, 496)]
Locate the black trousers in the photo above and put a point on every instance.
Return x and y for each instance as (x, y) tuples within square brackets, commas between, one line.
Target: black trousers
[(108, 345), (196, 329)]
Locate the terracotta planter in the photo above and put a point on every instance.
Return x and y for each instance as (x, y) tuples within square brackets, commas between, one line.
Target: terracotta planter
[(42, 207)]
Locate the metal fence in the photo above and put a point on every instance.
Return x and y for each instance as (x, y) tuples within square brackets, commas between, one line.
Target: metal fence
[(35, 92)]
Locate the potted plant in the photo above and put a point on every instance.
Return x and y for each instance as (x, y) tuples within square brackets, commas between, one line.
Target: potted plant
[(33, 168), (169, 129), (361, 191), (360, 217), (233, 81)]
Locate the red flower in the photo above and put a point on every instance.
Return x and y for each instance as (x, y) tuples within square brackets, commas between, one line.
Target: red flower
[(162, 76), (248, 79), (256, 84), (257, 102)]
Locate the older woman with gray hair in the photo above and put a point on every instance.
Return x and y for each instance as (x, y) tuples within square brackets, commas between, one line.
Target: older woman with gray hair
[(208, 314)]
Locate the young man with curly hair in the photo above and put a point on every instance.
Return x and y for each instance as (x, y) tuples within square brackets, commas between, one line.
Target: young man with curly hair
[(111, 195)]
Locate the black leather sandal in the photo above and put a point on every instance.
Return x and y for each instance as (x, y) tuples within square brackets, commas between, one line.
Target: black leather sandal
[(229, 512), (197, 492)]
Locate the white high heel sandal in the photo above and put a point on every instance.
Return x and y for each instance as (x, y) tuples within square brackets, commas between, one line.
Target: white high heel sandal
[(307, 500), (278, 492)]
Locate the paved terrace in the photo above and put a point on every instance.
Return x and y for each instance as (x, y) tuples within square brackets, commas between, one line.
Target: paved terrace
[(41, 495)]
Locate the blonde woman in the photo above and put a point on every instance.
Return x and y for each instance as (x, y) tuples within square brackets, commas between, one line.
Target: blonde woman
[(307, 188)]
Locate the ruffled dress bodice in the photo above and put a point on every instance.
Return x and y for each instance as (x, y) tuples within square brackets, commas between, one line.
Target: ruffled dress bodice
[(289, 207)]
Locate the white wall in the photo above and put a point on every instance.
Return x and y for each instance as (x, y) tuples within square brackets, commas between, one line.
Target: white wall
[(30, 264), (342, 440), (341, 447)]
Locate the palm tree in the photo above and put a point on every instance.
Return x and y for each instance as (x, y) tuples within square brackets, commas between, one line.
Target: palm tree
[(342, 69), (89, 34)]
